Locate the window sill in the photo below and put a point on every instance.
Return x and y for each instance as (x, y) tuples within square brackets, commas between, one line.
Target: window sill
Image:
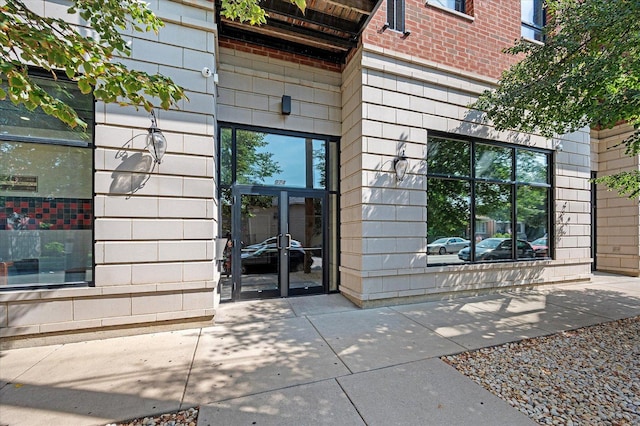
[(531, 40), (453, 12)]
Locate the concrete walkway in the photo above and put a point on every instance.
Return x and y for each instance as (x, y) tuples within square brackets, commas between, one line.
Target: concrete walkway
[(303, 361)]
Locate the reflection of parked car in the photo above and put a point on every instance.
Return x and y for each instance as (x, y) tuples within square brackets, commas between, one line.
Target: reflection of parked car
[(541, 247), (497, 248), (447, 245), (263, 256)]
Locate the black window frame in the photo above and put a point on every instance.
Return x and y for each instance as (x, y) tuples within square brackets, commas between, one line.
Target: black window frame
[(513, 183)]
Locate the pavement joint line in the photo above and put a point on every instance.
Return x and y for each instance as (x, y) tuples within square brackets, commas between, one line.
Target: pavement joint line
[(350, 400), (210, 403), (193, 357), (328, 344), (428, 328)]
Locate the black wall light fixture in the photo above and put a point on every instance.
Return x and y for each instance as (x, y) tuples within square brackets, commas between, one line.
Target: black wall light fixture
[(286, 105)]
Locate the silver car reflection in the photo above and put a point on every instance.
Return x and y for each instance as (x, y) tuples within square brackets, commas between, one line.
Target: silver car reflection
[(447, 245)]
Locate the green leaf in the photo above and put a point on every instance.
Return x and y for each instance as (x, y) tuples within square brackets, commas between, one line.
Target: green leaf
[(302, 4), (54, 44), (84, 87)]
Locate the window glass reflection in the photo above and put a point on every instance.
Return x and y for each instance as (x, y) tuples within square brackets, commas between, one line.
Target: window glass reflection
[(533, 19), (448, 157), (533, 218), (457, 5), (18, 122), (493, 210), (531, 166), (319, 176), (448, 219), (506, 211), (270, 159), (493, 162), (226, 149)]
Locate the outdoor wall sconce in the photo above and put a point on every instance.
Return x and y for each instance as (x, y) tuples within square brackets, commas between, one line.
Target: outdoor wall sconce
[(400, 165), (558, 146), (286, 105), (156, 142)]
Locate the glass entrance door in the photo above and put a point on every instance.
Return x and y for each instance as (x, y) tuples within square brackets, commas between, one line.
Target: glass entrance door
[(281, 240)]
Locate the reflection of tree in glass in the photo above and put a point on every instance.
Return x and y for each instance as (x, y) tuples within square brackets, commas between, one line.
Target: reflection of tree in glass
[(37, 123), (319, 157), (531, 166), (532, 210), (448, 157), (252, 167), (493, 201), (493, 162), (448, 209)]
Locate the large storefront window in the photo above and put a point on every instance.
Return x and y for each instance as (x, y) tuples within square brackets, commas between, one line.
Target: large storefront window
[(46, 203), (486, 202)]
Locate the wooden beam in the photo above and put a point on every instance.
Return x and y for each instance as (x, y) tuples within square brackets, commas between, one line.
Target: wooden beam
[(364, 7), (313, 17), (286, 32)]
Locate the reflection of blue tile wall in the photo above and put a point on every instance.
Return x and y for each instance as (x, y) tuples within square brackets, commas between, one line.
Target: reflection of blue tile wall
[(35, 213)]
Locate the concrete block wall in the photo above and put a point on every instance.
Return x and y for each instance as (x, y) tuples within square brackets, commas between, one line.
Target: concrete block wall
[(253, 80), (154, 225), (390, 103), (618, 218)]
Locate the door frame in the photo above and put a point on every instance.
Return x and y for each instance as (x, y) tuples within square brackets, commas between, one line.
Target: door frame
[(283, 195)]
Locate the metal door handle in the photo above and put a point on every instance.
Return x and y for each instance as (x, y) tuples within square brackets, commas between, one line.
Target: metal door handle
[(287, 245)]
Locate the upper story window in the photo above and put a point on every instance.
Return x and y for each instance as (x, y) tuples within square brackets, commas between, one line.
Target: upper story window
[(533, 19), (395, 14), (457, 5)]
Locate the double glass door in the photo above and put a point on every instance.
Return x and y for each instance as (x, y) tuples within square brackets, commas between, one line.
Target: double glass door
[(277, 244)]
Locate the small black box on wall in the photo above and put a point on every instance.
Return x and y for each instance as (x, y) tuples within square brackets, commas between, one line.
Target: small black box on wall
[(286, 105)]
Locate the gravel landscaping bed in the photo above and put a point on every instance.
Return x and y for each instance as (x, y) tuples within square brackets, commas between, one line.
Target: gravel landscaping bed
[(589, 376), (180, 418)]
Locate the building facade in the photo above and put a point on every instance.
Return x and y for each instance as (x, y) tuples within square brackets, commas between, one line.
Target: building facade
[(282, 175)]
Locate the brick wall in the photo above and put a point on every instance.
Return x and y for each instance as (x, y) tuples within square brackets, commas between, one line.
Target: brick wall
[(469, 43), (250, 48)]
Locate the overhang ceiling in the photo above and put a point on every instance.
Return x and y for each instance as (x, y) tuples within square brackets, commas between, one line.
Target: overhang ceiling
[(328, 29)]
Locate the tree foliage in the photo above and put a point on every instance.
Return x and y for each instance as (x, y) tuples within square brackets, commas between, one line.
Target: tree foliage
[(587, 73), (86, 56), (88, 53), (250, 10)]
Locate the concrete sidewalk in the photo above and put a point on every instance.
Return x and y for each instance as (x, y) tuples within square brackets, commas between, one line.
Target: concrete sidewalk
[(303, 361)]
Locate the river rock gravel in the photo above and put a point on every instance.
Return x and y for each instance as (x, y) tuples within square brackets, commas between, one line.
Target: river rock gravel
[(589, 376), (180, 418)]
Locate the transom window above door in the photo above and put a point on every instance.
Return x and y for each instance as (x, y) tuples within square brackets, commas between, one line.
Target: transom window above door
[(251, 157)]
